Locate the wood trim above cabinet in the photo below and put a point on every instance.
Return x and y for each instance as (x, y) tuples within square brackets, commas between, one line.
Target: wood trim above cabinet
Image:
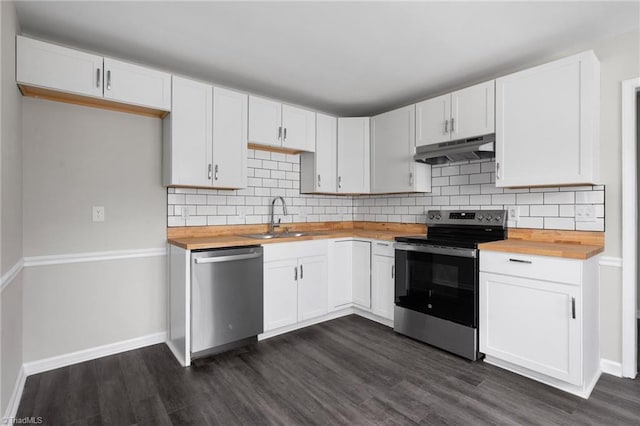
[(69, 98)]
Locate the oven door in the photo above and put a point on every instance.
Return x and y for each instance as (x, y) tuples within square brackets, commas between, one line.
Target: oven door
[(439, 281)]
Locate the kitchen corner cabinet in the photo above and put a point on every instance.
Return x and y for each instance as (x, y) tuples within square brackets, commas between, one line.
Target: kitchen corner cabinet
[(392, 148), (350, 272), (353, 155), (58, 73), (277, 125), (547, 124), (382, 279), (205, 136), (462, 114), (295, 283), (539, 317), (318, 170)]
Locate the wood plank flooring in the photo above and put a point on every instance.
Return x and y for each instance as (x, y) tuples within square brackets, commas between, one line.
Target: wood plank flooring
[(346, 371)]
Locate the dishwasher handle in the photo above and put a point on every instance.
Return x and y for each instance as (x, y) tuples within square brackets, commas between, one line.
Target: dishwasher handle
[(230, 258)]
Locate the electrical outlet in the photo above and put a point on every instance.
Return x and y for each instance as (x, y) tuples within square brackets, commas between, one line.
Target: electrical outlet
[(513, 213), (184, 213), (98, 213), (585, 213)]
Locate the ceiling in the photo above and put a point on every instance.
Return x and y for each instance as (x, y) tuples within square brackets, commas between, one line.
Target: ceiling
[(346, 58)]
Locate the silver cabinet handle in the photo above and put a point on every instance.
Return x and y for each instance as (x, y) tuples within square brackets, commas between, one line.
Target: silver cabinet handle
[(573, 307), (497, 170), (209, 172), (301, 272), (339, 181), (109, 80), (295, 273), (452, 124), (216, 173), (446, 126), (393, 271), (285, 134), (279, 132), (318, 180), (411, 179), (520, 261), (98, 77)]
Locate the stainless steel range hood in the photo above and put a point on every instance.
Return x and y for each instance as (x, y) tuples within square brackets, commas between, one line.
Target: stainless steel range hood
[(461, 150)]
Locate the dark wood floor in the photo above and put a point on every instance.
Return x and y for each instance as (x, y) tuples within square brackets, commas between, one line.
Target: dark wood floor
[(345, 371)]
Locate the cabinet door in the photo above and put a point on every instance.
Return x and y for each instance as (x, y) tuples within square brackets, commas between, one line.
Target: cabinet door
[(432, 120), (340, 274), (353, 155), (229, 139), (546, 124), (265, 121), (58, 68), (133, 84), (325, 155), (473, 111), (298, 129), (392, 149), (312, 287), (382, 286), (280, 294), (188, 134), (530, 323), (361, 270)]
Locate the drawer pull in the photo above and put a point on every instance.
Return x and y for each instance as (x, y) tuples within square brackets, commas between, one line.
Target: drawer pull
[(383, 244), (520, 261), (573, 307)]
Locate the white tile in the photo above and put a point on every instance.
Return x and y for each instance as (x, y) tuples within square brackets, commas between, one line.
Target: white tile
[(480, 178), (216, 199), (262, 173), (254, 163), (469, 189), (450, 190), (460, 200), (176, 198), (459, 180), (565, 223), (270, 183), (502, 199), (278, 174), (589, 197), (543, 210), (488, 167), (272, 165), (227, 210), (441, 201), (197, 221), (216, 220), (531, 222), (533, 198), (480, 199), (276, 156), (450, 170), (263, 155), (598, 225), (440, 181), (489, 188), (567, 211), (436, 172), (559, 197), (235, 200), (468, 169), (287, 167), (256, 182), (186, 191), (206, 210), (175, 221)]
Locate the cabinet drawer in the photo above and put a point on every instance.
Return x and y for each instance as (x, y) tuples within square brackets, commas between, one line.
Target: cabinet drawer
[(528, 266), (383, 248)]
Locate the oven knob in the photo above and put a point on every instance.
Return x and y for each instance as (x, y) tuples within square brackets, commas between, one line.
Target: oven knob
[(488, 218), (497, 218), (438, 217), (479, 217), (431, 216)]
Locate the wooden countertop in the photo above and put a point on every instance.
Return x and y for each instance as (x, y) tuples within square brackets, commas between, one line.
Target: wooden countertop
[(565, 244), (230, 236)]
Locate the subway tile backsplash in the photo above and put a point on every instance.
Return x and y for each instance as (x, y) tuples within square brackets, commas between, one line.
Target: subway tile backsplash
[(463, 185)]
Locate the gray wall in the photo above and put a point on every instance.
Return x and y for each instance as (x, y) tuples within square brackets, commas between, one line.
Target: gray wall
[(75, 158), (10, 207)]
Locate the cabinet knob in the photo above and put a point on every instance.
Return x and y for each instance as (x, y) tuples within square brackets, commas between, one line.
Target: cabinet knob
[(573, 307)]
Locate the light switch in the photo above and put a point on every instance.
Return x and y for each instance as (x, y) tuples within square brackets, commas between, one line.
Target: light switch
[(98, 213)]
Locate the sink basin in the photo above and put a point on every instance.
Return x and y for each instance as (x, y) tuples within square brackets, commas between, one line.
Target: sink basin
[(268, 236)]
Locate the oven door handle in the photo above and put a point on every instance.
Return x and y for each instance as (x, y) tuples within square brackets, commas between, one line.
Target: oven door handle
[(447, 251)]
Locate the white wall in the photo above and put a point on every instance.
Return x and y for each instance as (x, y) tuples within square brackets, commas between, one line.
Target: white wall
[(10, 206), (75, 158)]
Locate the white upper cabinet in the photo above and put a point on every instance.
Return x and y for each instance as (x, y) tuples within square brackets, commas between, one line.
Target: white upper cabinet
[(353, 155), (133, 84), (318, 170), (265, 121), (187, 134), (62, 72), (55, 67), (547, 124), (432, 118), (392, 148), (229, 139), (473, 111), (298, 129), (283, 126), (205, 136), (466, 113)]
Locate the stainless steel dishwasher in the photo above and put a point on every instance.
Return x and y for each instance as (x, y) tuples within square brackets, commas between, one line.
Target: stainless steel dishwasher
[(226, 298)]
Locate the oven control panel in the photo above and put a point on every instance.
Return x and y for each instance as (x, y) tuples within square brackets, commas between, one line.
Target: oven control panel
[(467, 217)]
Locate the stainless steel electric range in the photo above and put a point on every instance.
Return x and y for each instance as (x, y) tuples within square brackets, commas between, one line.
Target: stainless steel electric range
[(436, 283)]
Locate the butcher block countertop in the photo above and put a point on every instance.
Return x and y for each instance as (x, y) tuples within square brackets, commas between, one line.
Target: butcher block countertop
[(566, 244), (205, 237)]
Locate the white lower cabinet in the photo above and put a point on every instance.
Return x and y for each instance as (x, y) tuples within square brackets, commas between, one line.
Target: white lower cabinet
[(382, 280), (350, 272), (539, 317), (295, 283), (361, 273)]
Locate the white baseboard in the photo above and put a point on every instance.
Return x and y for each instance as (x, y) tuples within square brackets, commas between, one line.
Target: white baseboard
[(8, 277), (286, 329), (611, 367), (16, 395), (35, 367)]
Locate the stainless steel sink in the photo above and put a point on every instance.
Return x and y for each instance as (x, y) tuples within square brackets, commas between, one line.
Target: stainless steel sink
[(268, 236)]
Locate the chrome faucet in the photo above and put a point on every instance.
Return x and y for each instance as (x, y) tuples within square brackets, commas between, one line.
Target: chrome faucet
[(273, 225)]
